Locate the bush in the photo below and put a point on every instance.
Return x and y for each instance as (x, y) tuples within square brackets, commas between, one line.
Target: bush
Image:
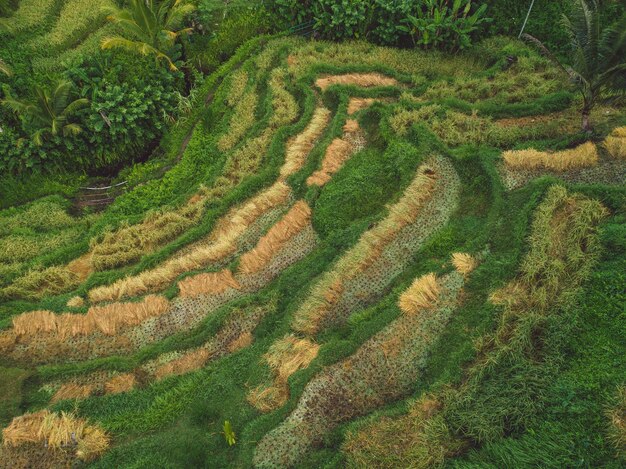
[(427, 23)]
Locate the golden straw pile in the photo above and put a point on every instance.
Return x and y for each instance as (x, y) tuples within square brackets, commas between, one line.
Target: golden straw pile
[(73, 391), (422, 294), (583, 156), (120, 383), (300, 146), (336, 155), (290, 225), (190, 361), (464, 263), (358, 104), (208, 283), (57, 431), (365, 80), (107, 319), (615, 143)]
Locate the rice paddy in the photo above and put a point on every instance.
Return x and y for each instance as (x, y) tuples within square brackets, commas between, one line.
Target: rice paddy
[(381, 245)]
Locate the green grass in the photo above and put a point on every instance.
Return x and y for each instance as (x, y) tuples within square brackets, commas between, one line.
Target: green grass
[(542, 403)]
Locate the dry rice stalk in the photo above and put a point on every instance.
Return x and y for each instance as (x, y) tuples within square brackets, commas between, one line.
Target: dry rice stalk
[(351, 126), (615, 143), (106, 319), (81, 267), (75, 302), (110, 318), (73, 391), (34, 322), (358, 104), (422, 294), (56, 431), (619, 132), (285, 357), (120, 383), (190, 361), (239, 219), (223, 244), (208, 284), (287, 227), (290, 354), (300, 146), (240, 342), (464, 263), (336, 155), (365, 80), (583, 156), (268, 398)]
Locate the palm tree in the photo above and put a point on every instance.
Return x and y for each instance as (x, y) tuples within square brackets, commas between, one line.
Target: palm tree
[(153, 25), (598, 56), (50, 112), (4, 68)]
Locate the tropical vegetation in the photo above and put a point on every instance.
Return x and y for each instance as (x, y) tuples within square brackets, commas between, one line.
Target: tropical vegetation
[(321, 233)]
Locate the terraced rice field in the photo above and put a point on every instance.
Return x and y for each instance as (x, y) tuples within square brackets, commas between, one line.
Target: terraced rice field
[(364, 264)]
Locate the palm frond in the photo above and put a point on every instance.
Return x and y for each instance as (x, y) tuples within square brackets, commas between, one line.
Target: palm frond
[(71, 129), (75, 105), (4, 68)]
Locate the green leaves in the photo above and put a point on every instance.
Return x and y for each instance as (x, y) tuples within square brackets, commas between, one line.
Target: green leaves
[(151, 26), (439, 25), (229, 433)]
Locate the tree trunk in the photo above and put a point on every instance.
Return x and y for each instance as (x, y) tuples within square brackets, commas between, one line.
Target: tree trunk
[(586, 124)]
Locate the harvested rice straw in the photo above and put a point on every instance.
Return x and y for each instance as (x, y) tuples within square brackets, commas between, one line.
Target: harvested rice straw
[(189, 361), (106, 319), (370, 246), (239, 219), (615, 143), (290, 354), (300, 146), (224, 238), (72, 391), (110, 318), (285, 357), (240, 342), (56, 431), (34, 322), (81, 266), (336, 155), (287, 227), (464, 263), (358, 104), (365, 80), (75, 302), (422, 294), (351, 126), (120, 383), (619, 132), (583, 156), (208, 283)]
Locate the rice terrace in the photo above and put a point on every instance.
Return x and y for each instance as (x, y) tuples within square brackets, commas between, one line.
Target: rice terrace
[(312, 234)]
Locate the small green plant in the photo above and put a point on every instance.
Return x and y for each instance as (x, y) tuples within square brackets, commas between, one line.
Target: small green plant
[(229, 433)]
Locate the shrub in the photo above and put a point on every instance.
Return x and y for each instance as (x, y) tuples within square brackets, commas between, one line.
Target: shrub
[(427, 23)]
